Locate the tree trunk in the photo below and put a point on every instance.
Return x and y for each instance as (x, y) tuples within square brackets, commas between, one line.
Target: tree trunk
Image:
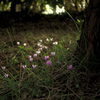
[(13, 6), (89, 43)]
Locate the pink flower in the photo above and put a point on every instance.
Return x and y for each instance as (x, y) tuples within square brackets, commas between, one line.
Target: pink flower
[(45, 47), (18, 43), (6, 75), (31, 59), (55, 43), (19, 85), (29, 56), (46, 57), (33, 66), (49, 63), (24, 66), (35, 55), (52, 53), (51, 39), (3, 68), (70, 67), (39, 44), (38, 52)]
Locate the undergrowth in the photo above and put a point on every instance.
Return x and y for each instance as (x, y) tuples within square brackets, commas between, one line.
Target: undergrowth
[(44, 71)]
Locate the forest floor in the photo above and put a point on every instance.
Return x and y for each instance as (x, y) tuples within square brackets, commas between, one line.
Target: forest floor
[(47, 25), (37, 28)]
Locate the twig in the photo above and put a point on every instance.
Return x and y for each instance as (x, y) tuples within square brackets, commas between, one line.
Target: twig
[(73, 91)]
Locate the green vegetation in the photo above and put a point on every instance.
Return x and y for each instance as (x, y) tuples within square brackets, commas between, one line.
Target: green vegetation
[(42, 69), (40, 5), (33, 71)]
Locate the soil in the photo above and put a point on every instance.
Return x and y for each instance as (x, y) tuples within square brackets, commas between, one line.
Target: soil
[(23, 31), (17, 27)]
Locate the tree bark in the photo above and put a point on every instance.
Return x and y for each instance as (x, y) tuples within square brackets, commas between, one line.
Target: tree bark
[(89, 43), (13, 6)]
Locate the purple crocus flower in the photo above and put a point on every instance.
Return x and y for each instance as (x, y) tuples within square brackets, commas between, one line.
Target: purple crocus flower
[(33, 66), (39, 44), (6, 75), (38, 52), (49, 63), (29, 56), (46, 57), (35, 55), (70, 67), (19, 85), (31, 59), (24, 66), (3, 68), (52, 53)]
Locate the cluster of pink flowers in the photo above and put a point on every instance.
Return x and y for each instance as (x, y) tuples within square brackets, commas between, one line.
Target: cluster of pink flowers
[(47, 58)]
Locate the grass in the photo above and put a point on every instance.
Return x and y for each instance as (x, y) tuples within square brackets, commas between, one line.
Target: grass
[(43, 82)]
